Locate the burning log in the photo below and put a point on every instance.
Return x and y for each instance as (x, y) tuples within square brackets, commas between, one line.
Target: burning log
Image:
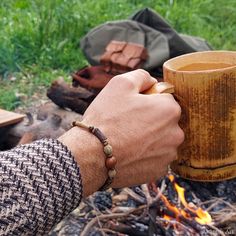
[(193, 224)]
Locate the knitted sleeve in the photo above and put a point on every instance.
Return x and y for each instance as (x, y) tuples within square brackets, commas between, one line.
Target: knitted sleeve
[(40, 183)]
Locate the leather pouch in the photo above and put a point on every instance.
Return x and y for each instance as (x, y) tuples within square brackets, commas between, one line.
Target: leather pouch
[(121, 57)]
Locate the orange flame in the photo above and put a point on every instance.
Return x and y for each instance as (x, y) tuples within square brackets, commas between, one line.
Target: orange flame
[(202, 217), (166, 217)]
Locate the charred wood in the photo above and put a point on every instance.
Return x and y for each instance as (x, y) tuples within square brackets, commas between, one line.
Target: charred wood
[(193, 224), (65, 96), (126, 229)]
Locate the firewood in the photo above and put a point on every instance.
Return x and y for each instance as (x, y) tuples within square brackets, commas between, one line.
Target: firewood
[(127, 229), (65, 96)]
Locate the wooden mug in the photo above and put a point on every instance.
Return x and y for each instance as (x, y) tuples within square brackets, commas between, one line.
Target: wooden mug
[(205, 87)]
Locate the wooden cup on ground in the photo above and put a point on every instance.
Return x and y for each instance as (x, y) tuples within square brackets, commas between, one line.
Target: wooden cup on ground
[(205, 87)]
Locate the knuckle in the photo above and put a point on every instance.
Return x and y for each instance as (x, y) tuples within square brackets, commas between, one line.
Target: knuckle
[(143, 72), (122, 81), (116, 79), (129, 80), (130, 84)]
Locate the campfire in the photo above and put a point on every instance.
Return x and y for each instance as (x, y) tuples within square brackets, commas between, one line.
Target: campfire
[(172, 206), (187, 211)]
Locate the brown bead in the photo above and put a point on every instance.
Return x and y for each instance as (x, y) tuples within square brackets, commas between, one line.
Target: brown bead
[(112, 173), (108, 150), (111, 163)]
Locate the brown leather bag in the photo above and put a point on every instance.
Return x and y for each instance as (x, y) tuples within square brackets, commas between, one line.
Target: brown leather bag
[(118, 58), (121, 57)]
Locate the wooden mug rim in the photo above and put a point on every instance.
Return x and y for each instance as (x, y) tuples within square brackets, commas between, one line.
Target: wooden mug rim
[(170, 64)]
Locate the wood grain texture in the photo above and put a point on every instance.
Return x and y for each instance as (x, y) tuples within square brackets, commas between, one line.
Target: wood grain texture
[(8, 118), (208, 101)]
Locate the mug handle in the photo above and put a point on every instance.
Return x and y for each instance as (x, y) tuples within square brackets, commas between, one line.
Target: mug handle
[(161, 87)]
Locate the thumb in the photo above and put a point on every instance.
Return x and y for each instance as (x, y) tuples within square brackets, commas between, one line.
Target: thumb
[(140, 80)]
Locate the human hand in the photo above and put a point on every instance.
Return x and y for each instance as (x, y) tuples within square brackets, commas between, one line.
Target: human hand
[(142, 129)]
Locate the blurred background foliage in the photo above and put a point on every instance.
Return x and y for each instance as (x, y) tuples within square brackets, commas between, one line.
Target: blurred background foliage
[(39, 39)]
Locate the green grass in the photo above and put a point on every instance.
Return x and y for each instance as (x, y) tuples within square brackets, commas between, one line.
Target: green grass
[(39, 40)]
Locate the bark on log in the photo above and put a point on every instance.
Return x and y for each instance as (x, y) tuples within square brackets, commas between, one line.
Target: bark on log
[(65, 96)]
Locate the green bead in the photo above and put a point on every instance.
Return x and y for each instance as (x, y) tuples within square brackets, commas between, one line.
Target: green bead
[(108, 150)]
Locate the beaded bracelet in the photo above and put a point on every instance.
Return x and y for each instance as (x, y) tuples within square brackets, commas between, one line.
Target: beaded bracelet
[(110, 161)]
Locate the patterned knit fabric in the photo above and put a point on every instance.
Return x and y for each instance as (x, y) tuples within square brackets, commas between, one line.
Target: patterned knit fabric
[(40, 183)]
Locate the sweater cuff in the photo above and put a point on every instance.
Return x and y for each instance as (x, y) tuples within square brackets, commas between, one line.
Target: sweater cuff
[(47, 181), (61, 170)]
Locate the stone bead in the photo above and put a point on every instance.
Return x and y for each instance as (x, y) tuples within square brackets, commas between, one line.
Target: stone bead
[(112, 173), (108, 150), (111, 163)]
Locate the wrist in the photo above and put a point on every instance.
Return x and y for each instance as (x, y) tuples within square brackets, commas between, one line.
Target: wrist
[(88, 153)]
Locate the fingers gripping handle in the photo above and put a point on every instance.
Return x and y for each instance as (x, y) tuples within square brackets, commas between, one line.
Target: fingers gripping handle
[(161, 87)]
